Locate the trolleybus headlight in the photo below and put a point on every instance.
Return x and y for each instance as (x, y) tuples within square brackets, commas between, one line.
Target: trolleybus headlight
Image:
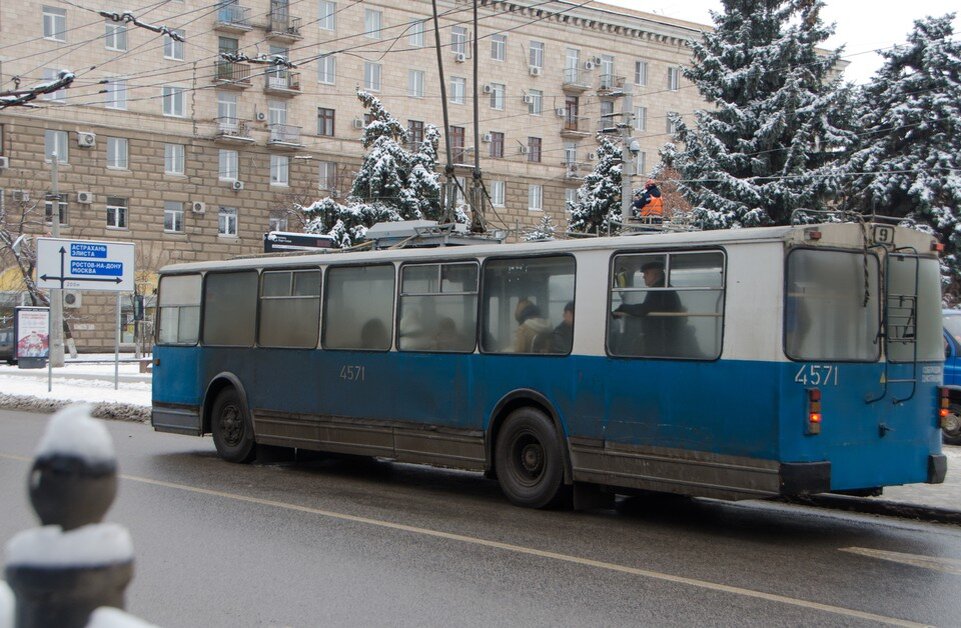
[(814, 412)]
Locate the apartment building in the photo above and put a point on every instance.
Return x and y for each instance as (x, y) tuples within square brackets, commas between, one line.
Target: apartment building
[(165, 143)]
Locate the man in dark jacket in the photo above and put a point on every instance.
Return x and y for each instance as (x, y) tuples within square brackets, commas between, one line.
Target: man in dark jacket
[(660, 330), (648, 204)]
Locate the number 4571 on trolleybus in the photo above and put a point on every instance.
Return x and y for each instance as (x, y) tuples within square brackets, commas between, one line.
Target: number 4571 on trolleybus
[(740, 364)]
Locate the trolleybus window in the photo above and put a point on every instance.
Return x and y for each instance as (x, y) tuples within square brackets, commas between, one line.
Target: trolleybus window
[(438, 307), (913, 313), (667, 305), (831, 309), (358, 307), (289, 308), (230, 309), (524, 303), (179, 309)]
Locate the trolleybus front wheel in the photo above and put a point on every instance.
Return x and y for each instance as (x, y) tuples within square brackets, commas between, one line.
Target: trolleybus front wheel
[(952, 426), (233, 434), (529, 460)]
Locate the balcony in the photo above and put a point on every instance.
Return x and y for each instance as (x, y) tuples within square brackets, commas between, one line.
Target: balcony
[(575, 81), (233, 131), (284, 137), (282, 83), (611, 123), (233, 18), (280, 25), (575, 127), (577, 169), (611, 85), (231, 75)]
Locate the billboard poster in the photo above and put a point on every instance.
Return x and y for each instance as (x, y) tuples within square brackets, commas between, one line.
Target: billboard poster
[(31, 331)]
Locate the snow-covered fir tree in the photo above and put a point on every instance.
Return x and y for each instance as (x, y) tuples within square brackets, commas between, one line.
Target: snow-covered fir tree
[(393, 183), (909, 160), (544, 230), (598, 200), (777, 116)]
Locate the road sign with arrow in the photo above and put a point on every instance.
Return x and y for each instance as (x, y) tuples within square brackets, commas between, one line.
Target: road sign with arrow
[(85, 265)]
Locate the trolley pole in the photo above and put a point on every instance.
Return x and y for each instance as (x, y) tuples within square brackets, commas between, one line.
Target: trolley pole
[(56, 294)]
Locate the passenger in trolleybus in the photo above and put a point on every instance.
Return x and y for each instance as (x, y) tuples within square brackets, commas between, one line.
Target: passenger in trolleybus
[(533, 330), (658, 328)]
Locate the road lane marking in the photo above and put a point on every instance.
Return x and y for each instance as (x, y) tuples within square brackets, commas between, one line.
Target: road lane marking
[(519, 549), (946, 565)]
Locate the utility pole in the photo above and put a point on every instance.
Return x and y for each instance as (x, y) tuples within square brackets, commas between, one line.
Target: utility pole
[(56, 294), (477, 189), (628, 150)]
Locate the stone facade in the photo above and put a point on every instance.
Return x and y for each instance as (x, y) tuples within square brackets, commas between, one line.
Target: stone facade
[(266, 116)]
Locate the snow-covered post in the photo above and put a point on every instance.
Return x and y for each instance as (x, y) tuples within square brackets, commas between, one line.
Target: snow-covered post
[(61, 572)]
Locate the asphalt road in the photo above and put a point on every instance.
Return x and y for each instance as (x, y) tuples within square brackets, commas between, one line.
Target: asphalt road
[(348, 542)]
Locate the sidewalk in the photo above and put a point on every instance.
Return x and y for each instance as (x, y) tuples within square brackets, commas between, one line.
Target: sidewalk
[(90, 378)]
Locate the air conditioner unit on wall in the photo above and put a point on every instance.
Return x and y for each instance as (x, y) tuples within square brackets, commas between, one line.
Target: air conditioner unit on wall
[(72, 298), (4, 162), (588, 65), (237, 186), (560, 111), (535, 70), (486, 137), (261, 116), (21, 196), (528, 100), (460, 57), (86, 139), (358, 123), (523, 150), (488, 88), (84, 198), (198, 207)]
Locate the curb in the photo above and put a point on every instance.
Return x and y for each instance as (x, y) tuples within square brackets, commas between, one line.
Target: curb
[(870, 506), (102, 410)]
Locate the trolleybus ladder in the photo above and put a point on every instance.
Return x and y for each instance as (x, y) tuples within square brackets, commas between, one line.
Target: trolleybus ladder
[(900, 322)]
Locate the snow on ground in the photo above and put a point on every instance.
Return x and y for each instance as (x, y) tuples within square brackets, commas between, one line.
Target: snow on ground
[(80, 380)]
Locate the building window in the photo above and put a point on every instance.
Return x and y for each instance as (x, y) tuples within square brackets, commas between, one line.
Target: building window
[(61, 209), (173, 216), (640, 118), (497, 193), (535, 198), (279, 170), (497, 95), (457, 135), (498, 47), (116, 94), (372, 76), (535, 101), (174, 158), (640, 163), (673, 78), (372, 20), (328, 14), (570, 152), (416, 130), (570, 197), (415, 83), (227, 222), (52, 74), (56, 142), (640, 72), (607, 114), (117, 153), (325, 121), (327, 69), (458, 89), (277, 221), (115, 36), (174, 49), (327, 175), (116, 212), (497, 144), (276, 112), (671, 124), (534, 149), (54, 24), (416, 30), (536, 51), (458, 40), (173, 101), (228, 170)]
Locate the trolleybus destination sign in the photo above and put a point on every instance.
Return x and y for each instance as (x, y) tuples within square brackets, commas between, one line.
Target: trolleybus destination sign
[(85, 265)]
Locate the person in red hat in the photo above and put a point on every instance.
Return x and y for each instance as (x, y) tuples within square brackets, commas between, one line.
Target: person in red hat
[(648, 204)]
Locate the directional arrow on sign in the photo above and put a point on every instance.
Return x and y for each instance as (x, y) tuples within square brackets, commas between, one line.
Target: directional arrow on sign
[(62, 278)]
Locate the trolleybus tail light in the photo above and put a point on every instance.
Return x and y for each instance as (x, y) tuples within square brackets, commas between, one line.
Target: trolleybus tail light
[(814, 412), (937, 246), (813, 234), (944, 410)]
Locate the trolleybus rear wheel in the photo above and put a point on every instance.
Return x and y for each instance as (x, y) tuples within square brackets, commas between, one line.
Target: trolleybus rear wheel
[(233, 434), (529, 460), (952, 427)]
